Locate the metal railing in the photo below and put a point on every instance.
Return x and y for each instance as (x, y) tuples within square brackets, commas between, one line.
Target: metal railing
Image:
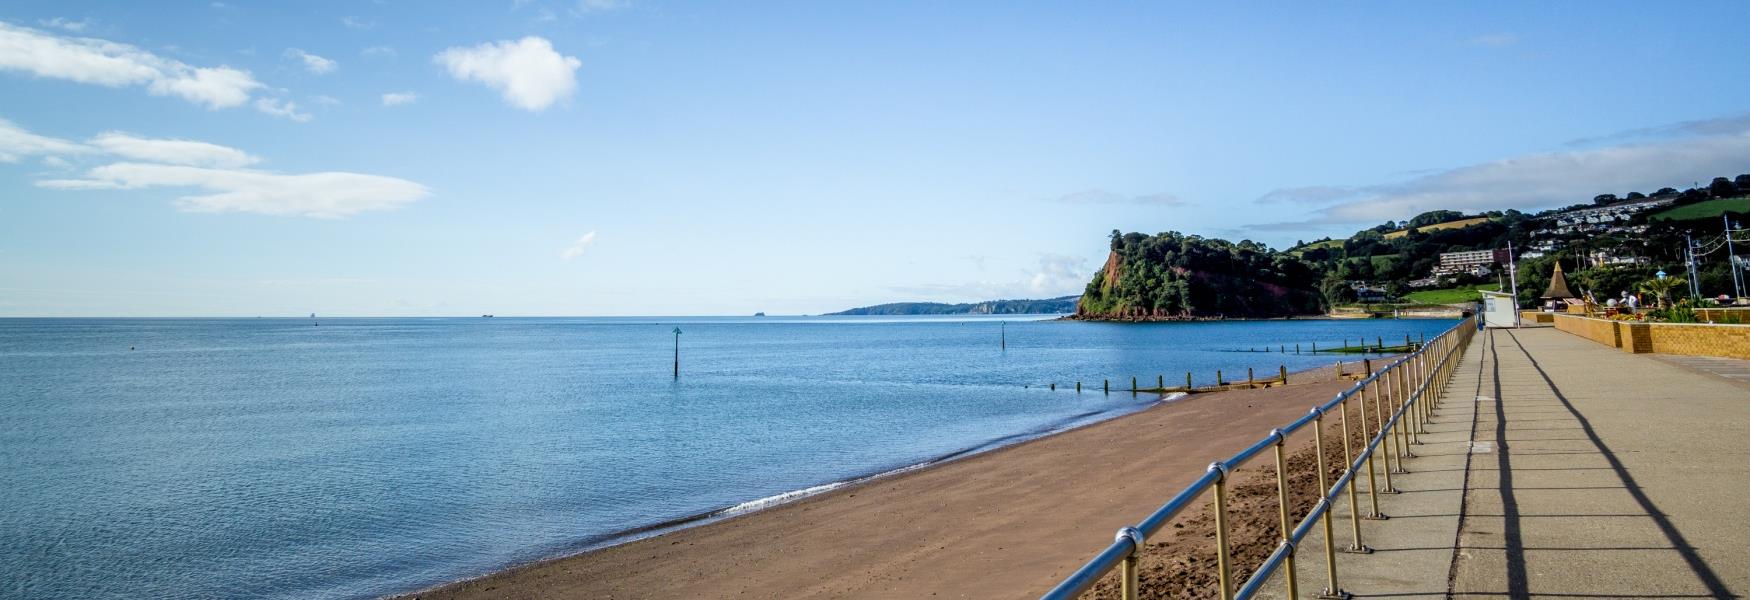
[(1412, 384)]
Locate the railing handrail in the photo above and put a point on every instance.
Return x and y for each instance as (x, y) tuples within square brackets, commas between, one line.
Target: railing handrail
[(1128, 543)]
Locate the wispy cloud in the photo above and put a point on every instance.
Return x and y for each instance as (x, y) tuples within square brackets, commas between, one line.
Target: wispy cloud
[(399, 98), (527, 72), (282, 108), (576, 248), (1715, 126), (67, 24), (17, 144), (1099, 196), (110, 64), (1540, 180), (378, 52), (171, 151), (178, 163), (1055, 275), (1494, 40), (352, 22), (329, 195), (312, 63)]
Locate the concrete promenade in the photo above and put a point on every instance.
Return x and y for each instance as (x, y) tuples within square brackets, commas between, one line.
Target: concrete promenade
[(1559, 468)]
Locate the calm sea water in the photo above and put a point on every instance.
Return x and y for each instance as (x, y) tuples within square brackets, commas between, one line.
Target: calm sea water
[(363, 457)]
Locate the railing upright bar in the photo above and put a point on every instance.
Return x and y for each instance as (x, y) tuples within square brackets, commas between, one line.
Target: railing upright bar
[(1221, 556), (1331, 588), (1282, 510), (1355, 546)]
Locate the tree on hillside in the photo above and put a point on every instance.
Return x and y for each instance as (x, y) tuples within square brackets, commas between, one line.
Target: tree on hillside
[(1665, 191), (1636, 196), (1722, 188), (1742, 181), (1603, 199)]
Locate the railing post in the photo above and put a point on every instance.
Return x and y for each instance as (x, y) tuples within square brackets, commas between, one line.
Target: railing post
[(1221, 555), (1331, 589), (1391, 435), (1282, 508), (1129, 586), (1372, 483), (1355, 547)]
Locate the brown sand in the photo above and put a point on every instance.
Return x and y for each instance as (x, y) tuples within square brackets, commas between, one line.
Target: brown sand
[(1008, 523)]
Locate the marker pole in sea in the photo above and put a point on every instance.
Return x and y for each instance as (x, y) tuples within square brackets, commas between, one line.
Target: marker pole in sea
[(1003, 340), (677, 353)]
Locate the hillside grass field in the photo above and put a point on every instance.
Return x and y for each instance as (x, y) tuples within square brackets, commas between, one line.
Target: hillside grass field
[(1459, 224), (1469, 293), (1703, 210)]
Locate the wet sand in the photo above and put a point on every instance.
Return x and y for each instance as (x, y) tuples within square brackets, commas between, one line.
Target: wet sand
[(1006, 523)]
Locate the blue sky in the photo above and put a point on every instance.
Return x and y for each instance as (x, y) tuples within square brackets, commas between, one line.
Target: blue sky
[(643, 158)]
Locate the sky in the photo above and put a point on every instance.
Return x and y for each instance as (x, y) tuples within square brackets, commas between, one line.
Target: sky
[(635, 157)]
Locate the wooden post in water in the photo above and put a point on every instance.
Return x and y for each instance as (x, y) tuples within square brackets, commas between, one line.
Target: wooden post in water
[(1105, 386), (1297, 349), (1315, 347), (1133, 385), (1339, 369), (1406, 340), (1053, 386), (1160, 381), (1284, 370), (1248, 376), (1366, 366), (1218, 378), (1282, 349), (1004, 339), (1078, 387), (1379, 341), (677, 353), (1187, 381)]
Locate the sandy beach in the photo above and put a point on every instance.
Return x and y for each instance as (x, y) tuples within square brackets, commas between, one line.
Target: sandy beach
[(1006, 523)]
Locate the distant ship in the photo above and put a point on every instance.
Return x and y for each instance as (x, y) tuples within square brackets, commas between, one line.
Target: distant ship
[(485, 316), (759, 314)]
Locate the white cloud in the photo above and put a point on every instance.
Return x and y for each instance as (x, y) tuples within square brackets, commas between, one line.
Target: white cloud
[(399, 98), (1543, 180), (1058, 275), (528, 72), (312, 63), (329, 195), (325, 100), (352, 22), (1098, 196), (378, 52), (281, 108), (576, 248), (16, 144), (100, 62), (1494, 40), (170, 151), (67, 24)]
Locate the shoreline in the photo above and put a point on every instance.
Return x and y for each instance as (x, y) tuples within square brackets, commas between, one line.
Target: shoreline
[(606, 559), (699, 519)]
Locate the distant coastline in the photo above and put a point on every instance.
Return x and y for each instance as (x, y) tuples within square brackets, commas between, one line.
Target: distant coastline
[(1048, 306)]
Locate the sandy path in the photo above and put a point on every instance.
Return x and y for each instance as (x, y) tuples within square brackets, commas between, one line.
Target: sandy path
[(1008, 523)]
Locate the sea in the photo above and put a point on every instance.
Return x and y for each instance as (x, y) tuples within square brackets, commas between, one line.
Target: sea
[(363, 457)]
